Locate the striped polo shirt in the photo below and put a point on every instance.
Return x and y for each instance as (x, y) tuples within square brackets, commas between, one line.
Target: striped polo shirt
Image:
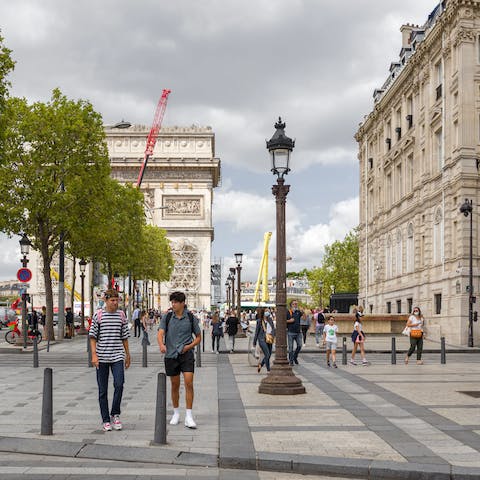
[(109, 334)]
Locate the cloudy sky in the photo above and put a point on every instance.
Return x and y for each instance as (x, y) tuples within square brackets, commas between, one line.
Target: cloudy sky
[(235, 66)]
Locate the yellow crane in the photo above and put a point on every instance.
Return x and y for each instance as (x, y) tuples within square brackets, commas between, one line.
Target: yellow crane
[(263, 272), (56, 276)]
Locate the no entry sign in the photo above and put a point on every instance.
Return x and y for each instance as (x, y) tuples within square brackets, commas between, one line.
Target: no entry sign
[(24, 274)]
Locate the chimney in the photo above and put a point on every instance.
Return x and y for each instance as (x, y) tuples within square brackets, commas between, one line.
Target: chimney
[(406, 32)]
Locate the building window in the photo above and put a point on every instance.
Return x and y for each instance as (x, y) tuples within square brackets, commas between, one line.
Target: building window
[(410, 249), (438, 237), (409, 174), (388, 190), (389, 307), (399, 306), (409, 305), (439, 148), (437, 300), (454, 239), (398, 182), (398, 254), (439, 79), (388, 257), (371, 308)]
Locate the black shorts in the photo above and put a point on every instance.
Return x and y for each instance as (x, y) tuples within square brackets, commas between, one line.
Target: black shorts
[(185, 362)]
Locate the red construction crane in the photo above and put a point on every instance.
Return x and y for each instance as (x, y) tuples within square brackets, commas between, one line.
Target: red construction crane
[(152, 136)]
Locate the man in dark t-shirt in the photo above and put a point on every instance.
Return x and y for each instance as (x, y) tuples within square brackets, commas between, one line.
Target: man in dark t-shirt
[(294, 332), (232, 323)]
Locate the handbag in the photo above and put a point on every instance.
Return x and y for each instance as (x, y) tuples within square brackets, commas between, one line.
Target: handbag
[(406, 331), (416, 333), (269, 338)]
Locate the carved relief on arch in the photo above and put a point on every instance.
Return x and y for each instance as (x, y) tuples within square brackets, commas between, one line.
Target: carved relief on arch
[(186, 270)]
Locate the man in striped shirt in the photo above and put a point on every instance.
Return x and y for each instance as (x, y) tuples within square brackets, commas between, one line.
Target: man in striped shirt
[(109, 345)]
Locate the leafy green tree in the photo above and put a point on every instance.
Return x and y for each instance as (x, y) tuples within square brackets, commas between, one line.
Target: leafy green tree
[(6, 66), (54, 168)]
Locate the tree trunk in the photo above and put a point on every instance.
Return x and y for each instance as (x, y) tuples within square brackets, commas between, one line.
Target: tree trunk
[(74, 278), (49, 333)]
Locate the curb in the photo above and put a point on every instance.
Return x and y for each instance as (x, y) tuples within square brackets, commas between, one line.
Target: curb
[(263, 461)]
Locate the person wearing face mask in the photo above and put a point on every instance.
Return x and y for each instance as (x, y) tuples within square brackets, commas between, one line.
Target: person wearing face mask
[(416, 323), (265, 336)]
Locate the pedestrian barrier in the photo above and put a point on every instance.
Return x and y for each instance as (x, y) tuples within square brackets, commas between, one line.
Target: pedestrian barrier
[(443, 355), (35, 352), (344, 350), (394, 351), (47, 403), (160, 435)]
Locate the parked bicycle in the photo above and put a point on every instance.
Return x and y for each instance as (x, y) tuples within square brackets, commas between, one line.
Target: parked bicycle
[(15, 333)]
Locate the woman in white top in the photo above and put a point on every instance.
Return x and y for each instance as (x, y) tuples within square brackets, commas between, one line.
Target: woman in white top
[(358, 337), (416, 324)]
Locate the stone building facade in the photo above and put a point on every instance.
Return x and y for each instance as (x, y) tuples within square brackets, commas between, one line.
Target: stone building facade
[(419, 160), (178, 187)]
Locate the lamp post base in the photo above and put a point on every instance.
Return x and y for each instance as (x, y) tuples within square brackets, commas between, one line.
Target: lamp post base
[(281, 381)]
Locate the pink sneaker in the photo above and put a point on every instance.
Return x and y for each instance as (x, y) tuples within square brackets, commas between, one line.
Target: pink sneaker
[(117, 424), (107, 427)]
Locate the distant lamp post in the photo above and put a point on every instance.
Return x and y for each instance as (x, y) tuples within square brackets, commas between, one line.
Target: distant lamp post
[(238, 260), (281, 379), (227, 291), (466, 209), (320, 289), (25, 245), (83, 265), (233, 270)]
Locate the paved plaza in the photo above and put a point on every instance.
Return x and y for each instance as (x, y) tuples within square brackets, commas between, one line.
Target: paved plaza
[(379, 421)]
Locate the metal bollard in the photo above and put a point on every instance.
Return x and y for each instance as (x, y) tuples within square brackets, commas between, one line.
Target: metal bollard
[(144, 352), (89, 352), (443, 353), (47, 403), (344, 351), (394, 351), (203, 341), (48, 344), (35, 352), (160, 436), (198, 359)]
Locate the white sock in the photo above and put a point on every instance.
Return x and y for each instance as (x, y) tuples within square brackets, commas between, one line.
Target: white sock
[(188, 413), (176, 411)]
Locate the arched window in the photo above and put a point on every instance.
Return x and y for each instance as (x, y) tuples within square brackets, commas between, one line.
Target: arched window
[(438, 236), (410, 249), (398, 253)]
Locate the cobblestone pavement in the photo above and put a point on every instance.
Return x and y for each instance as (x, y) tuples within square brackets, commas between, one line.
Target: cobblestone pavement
[(362, 422)]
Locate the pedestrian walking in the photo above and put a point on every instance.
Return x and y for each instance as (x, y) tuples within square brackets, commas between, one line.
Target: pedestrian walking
[(175, 339), (136, 321), (69, 322), (330, 341), (109, 345), (358, 337), (319, 326), (416, 324), (265, 336), (144, 322), (232, 323), (294, 334), (217, 332), (305, 323)]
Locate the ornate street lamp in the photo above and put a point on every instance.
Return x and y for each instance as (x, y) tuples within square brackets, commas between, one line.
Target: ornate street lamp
[(83, 265), (24, 250), (466, 209), (238, 260), (281, 379)]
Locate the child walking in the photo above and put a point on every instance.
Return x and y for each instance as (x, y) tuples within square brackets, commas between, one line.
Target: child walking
[(330, 340)]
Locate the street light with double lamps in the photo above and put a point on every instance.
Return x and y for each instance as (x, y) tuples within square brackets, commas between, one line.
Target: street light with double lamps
[(281, 379), (24, 250), (466, 209), (238, 260), (83, 265)]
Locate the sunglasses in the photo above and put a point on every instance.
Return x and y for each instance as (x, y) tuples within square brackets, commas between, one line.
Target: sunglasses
[(111, 296)]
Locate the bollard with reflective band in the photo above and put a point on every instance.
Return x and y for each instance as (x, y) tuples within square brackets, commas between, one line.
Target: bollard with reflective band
[(160, 436), (47, 403), (394, 351), (344, 351)]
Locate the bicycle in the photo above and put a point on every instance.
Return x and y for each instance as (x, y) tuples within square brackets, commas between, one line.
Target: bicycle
[(15, 333)]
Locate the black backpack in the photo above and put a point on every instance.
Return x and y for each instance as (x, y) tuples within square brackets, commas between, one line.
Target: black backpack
[(169, 316)]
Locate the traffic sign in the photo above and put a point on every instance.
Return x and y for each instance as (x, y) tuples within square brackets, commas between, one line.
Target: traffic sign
[(24, 274)]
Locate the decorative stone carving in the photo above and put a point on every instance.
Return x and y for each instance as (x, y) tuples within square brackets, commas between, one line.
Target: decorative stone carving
[(464, 35), (183, 206), (185, 275)]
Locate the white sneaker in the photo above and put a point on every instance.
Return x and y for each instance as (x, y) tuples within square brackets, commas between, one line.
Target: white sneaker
[(175, 419), (190, 423)]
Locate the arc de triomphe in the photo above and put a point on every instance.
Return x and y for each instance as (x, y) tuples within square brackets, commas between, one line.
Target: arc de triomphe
[(178, 188)]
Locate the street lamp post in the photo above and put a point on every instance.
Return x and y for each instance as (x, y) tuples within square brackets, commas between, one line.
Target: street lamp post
[(238, 260), (227, 289), (24, 250), (466, 209), (233, 270), (281, 379), (83, 265)]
